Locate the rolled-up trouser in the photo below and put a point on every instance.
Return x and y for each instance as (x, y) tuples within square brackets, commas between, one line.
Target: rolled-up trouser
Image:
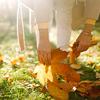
[(63, 20)]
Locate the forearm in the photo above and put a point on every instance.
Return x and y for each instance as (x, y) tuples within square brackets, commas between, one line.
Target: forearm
[(88, 28), (43, 34)]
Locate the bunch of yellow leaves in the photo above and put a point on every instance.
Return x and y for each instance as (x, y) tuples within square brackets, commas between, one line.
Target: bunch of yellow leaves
[(47, 74)]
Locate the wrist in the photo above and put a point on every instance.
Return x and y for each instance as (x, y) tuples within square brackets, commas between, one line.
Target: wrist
[(88, 28), (43, 34)]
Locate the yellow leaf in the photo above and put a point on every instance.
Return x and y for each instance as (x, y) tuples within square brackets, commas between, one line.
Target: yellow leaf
[(33, 74), (75, 66), (56, 92), (21, 58), (47, 73), (14, 62)]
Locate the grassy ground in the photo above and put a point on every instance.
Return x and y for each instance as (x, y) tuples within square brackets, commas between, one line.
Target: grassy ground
[(21, 85)]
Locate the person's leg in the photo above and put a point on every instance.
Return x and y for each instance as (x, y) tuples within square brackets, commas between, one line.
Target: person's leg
[(64, 19)]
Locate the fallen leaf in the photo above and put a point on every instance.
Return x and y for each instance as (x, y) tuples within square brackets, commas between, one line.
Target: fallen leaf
[(95, 38), (56, 92), (47, 73), (97, 75), (90, 62), (14, 62), (22, 58), (10, 79), (80, 72), (87, 54), (75, 66), (0, 53), (44, 90), (1, 59), (65, 86), (89, 89), (33, 74), (71, 83), (94, 92)]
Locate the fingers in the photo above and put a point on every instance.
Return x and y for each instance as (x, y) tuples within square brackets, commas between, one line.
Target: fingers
[(45, 58), (81, 48), (49, 59)]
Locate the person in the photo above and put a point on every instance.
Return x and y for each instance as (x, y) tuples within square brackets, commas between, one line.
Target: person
[(69, 15)]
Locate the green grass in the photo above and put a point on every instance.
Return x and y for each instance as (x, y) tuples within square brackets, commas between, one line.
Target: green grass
[(16, 90)]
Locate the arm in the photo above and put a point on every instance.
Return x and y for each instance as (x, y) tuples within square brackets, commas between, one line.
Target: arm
[(43, 12), (44, 47), (92, 14)]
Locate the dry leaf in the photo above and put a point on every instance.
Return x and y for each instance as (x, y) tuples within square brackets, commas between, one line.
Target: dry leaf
[(14, 62), (45, 73), (0, 53), (75, 66), (44, 90), (56, 92), (89, 90), (1, 59), (65, 86), (97, 75), (90, 62), (87, 54), (10, 79), (95, 38), (72, 83), (33, 74), (21, 58), (80, 72)]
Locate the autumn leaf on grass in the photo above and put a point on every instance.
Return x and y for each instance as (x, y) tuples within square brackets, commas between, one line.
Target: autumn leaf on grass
[(10, 79), (1, 59), (89, 89), (56, 92), (42, 75), (80, 72), (56, 68), (64, 70), (65, 86), (97, 75), (90, 62), (22, 58), (0, 53), (87, 54), (44, 90), (75, 66), (33, 74), (95, 38), (14, 62)]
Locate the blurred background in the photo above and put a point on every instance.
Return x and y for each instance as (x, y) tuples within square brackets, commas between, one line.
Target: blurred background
[(8, 11)]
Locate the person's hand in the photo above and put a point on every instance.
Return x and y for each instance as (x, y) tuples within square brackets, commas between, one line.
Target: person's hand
[(44, 48), (83, 42)]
